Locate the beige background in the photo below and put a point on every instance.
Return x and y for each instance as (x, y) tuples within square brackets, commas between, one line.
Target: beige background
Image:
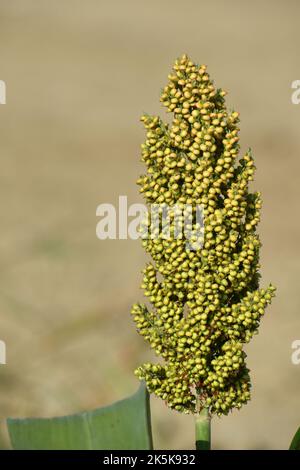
[(79, 75)]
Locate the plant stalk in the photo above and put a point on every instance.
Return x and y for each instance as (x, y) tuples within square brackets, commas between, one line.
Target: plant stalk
[(203, 429)]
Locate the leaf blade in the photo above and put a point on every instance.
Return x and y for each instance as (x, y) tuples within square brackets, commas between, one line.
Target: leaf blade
[(295, 444), (124, 425)]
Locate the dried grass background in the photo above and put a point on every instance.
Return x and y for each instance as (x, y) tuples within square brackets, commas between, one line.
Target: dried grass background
[(79, 75)]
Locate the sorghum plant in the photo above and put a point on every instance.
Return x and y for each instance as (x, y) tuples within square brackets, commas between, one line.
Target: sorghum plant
[(206, 302)]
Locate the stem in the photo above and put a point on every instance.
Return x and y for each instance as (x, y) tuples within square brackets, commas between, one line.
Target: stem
[(203, 429)]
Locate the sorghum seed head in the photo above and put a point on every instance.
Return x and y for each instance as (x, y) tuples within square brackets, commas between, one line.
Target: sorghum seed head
[(209, 302)]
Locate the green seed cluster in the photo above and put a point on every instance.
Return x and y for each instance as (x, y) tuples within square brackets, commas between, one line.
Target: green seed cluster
[(205, 303)]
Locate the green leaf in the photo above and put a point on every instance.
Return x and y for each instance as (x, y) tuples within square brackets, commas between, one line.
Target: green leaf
[(123, 425), (295, 444)]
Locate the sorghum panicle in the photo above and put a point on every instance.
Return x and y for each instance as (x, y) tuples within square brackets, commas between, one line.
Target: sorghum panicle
[(206, 303)]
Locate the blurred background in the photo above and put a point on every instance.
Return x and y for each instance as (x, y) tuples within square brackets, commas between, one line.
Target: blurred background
[(78, 76)]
